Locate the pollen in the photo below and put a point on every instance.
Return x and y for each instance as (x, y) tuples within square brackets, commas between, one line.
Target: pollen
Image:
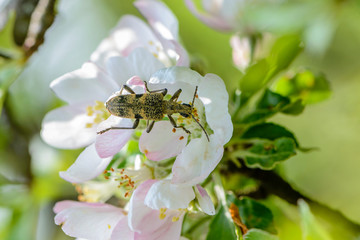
[(174, 130), (146, 151), (162, 214), (109, 226), (181, 138)]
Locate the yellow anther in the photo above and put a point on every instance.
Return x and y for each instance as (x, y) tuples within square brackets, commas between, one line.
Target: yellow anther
[(109, 226), (99, 105), (89, 111), (88, 125), (162, 216), (151, 43), (156, 55), (175, 219)]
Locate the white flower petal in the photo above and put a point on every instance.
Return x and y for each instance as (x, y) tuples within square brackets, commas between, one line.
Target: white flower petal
[(161, 143), (198, 159), (139, 63), (173, 75), (164, 194), (162, 20), (213, 94), (90, 221), (109, 143), (131, 33), (64, 127), (204, 200), (89, 83), (87, 166)]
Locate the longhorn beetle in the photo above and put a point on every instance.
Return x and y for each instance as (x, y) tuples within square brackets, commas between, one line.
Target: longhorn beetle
[(150, 106)]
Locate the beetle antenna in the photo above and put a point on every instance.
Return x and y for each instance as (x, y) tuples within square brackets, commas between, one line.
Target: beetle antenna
[(207, 136), (192, 106)]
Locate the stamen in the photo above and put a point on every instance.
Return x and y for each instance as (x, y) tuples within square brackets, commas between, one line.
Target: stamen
[(181, 138), (101, 113), (128, 179), (174, 130), (162, 214)]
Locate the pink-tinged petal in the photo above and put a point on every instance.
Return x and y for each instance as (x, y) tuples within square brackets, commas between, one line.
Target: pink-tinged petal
[(139, 213), (204, 200), (168, 230), (87, 166), (213, 94), (162, 143), (62, 205), (90, 221), (146, 221), (164, 194), (122, 231), (87, 84), (160, 17), (197, 160), (139, 63), (213, 21), (109, 143), (65, 127)]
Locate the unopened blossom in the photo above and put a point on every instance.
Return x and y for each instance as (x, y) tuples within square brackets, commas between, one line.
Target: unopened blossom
[(223, 15)]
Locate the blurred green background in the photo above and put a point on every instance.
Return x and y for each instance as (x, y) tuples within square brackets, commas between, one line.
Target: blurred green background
[(29, 181)]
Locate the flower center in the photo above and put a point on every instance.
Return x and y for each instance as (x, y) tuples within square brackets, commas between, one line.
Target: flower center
[(99, 112), (128, 179), (95, 191)]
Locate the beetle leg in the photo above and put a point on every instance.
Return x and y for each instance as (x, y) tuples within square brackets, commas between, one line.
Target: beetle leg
[(127, 88), (163, 91), (136, 123), (175, 96), (149, 126), (172, 121)]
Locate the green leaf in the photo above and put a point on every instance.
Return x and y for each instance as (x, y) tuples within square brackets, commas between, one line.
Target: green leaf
[(222, 227), (294, 108), (305, 85), (265, 154), (269, 104), (311, 229), (257, 234), (254, 78), (283, 52), (255, 215), (270, 131)]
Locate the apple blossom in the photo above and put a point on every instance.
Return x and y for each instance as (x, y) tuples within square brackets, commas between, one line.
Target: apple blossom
[(86, 89), (104, 221)]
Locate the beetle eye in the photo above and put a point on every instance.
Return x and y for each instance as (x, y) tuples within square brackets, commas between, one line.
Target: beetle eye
[(185, 115)]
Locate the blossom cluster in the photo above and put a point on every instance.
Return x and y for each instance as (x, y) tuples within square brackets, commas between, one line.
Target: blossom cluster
[(135, 53)]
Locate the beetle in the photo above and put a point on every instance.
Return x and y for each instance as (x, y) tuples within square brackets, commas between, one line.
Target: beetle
[(149, 106)]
